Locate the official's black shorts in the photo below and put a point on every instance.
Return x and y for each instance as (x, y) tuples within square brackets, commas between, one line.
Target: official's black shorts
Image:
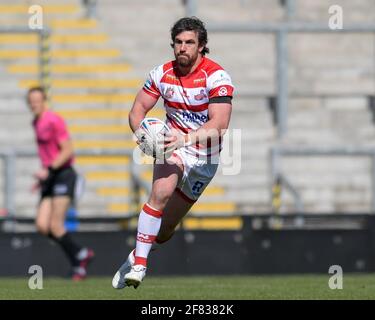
[(60, 183)]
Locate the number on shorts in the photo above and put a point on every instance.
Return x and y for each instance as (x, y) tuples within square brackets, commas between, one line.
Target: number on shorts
[(198, 186)]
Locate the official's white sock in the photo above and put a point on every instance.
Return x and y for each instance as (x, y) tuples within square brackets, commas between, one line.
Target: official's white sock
[(149, 222)]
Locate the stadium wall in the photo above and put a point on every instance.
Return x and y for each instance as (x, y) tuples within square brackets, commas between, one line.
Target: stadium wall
[(247, 251)]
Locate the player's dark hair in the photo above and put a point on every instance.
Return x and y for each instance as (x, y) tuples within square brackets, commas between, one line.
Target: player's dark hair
[(191, 24), (37, 89)]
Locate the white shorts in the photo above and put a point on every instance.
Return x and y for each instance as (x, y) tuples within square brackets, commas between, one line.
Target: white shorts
[(196, 176)]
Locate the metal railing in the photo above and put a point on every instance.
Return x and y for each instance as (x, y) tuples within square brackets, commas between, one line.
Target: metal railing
[(43, 48), (10, 156), (45, 61), (279, 178), (281, 31), (91, 8), (191, 7)]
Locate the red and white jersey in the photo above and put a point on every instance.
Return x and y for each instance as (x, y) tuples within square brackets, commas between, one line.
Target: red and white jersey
[(186, 98)]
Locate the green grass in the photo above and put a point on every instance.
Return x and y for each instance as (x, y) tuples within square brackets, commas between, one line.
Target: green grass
[(355, 286)]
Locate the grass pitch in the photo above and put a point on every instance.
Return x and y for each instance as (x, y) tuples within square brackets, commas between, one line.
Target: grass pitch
[(355, 286)]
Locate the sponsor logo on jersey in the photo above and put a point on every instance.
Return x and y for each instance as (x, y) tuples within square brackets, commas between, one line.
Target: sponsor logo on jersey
[(169, 93), (193, 117), (222, 80), (199, 81), (223, 91), (200, 96), (171, 78)]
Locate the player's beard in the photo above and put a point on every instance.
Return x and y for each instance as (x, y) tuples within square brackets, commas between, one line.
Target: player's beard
[(185, 61)]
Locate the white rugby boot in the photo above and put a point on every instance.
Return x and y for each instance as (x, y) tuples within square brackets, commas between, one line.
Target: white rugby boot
[(135, 276), (118, 281)]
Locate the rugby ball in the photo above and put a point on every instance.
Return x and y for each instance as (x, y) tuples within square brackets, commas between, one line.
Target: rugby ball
[(152, 140)]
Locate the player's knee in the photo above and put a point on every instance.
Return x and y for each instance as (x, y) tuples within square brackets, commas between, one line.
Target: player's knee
[(160, 198)]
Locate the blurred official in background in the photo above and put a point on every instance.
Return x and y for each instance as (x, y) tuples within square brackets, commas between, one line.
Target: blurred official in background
[(56, 180)]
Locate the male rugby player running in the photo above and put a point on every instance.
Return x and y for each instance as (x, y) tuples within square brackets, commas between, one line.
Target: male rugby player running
[(197, 95)]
